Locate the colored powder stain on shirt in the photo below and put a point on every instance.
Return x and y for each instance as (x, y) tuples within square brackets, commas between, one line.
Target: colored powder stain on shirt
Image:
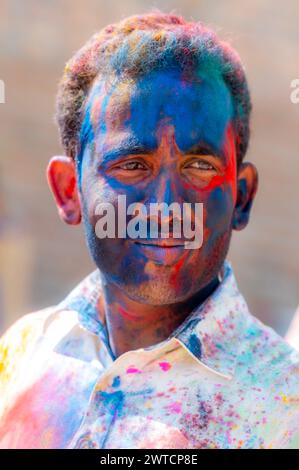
[(133, 370), (10, 354), (175, 407), (195, 345), (165, 366), (113, 402), (285, 399), (148, 404), (3, 359), (116, 381)]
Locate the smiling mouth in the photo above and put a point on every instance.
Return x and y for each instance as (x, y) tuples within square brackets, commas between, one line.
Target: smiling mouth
[(162, 252), (169, 243)]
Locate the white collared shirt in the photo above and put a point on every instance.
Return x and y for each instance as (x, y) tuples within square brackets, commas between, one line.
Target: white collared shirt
[(222, 380)]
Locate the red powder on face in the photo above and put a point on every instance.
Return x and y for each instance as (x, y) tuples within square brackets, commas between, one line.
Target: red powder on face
[(177, 267), (229, 177)]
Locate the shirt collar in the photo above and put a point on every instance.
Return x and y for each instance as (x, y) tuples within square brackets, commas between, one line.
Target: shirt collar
[(211, 333)]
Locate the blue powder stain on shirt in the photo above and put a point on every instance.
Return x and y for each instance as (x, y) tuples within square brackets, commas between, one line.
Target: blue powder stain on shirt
[(194, 345), (113, 402), (116, 381)]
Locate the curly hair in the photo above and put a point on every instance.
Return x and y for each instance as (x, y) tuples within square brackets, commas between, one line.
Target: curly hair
[(144, 43)]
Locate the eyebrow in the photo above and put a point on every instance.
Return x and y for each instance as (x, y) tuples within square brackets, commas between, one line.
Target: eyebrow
[(204, 149), (131, 147)]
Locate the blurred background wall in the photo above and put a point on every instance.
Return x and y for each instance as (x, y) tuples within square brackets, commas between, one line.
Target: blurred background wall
[(41, 259)]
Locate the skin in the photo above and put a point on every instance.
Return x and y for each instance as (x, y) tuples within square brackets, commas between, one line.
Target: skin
[(161, 138)]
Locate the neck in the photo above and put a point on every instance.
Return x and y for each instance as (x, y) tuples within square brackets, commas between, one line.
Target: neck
[(133, 325)]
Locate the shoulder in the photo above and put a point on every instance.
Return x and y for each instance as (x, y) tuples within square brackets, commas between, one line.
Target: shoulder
[(268, 355), (21, 339), (30, 327), (268, 368), (24, 330)]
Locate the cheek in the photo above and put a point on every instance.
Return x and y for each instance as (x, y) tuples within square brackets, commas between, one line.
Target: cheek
[(218, 211), (98, 190), (95, 193), (218, 203)]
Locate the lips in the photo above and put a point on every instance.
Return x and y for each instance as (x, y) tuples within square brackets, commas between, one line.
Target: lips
[(162, 252), (169, 243)]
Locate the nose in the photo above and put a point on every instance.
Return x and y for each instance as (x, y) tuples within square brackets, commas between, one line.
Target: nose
[(166, 187), (165, 196)]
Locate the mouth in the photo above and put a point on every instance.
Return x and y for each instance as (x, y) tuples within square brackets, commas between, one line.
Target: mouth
[(169, 243), (162, 252)]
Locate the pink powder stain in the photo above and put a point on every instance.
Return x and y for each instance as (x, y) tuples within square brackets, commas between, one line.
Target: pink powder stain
[(133, 370), (31, 418), (175, 407), (165, 366)]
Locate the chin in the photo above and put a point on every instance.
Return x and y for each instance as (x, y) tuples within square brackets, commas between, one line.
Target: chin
[(160, 291)]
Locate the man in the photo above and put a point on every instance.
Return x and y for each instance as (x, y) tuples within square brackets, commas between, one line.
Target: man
[(156, 348)]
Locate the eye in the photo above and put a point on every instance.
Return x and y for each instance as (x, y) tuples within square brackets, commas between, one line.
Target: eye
[(130, 171), (200, 165), (132, 165)]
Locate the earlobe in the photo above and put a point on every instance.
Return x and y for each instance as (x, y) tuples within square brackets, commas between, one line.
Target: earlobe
[(247, 187), (62, 179)]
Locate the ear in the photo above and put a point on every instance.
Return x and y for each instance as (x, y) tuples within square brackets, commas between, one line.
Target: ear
[(62, 179), (247, 184)]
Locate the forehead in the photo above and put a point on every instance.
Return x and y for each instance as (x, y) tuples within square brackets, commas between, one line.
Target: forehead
[(199, 108)]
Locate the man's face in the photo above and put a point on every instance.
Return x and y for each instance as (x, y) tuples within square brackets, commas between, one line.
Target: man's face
[(161, 138)]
